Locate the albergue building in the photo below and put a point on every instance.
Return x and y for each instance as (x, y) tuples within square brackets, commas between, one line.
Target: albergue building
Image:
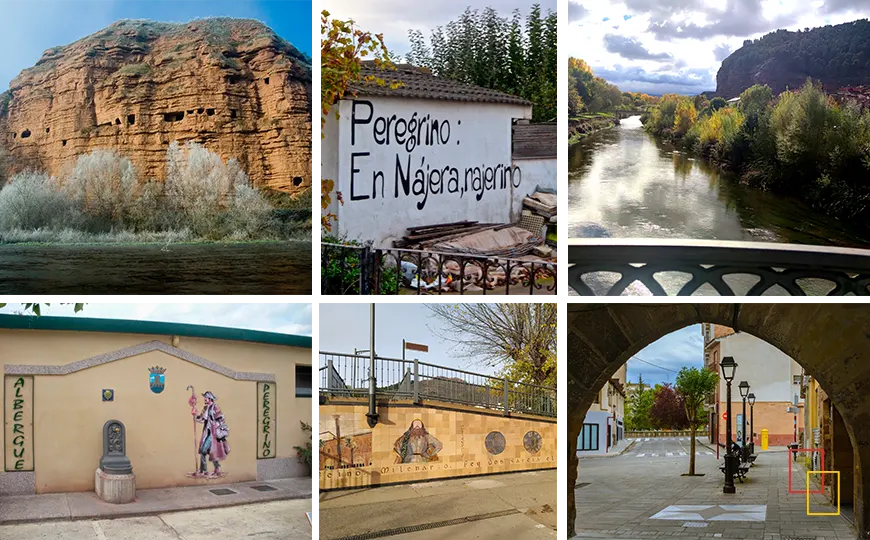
[(65, 377)]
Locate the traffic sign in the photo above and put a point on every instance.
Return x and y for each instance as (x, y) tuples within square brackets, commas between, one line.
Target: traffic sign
[(725, 415)]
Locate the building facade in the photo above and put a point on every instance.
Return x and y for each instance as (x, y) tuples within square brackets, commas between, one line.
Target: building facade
[(65, 378), (423, 150), (825, 432), (604, 425), (773, 377)]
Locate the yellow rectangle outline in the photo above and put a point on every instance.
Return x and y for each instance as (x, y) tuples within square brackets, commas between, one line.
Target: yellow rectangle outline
[(808, 494)]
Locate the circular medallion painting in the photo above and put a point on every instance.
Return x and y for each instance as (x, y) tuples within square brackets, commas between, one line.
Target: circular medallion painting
[(532, 442), (494, 442)]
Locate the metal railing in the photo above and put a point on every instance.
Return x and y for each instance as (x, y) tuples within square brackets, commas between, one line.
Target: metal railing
[(363, 270), (650, 433), (612, 267), (348, 375)]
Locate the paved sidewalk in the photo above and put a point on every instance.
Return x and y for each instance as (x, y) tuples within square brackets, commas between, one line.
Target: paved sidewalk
[(618, 449), (632, 498), (74, 506), (520, 506), (275, 520)]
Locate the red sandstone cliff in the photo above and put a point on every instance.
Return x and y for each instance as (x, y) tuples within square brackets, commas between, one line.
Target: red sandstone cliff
[(232, 85)]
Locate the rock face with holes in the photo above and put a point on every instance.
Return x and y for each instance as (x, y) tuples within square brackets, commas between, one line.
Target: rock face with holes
[(232, 85)]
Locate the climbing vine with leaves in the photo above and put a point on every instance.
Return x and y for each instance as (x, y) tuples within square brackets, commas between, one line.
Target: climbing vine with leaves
[(36, 310), (343, 48)]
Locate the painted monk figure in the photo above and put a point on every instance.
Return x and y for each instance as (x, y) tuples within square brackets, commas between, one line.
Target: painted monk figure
[(416, 445), (213, 444)]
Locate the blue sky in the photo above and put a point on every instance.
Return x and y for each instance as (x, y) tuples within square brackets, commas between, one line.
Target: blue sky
[(280, 318), (344, 327), (679, 349), (27, 28), (660, 46)]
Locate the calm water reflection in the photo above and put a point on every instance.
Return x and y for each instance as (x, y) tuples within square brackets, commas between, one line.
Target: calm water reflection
[(625, 184), (268, 268)]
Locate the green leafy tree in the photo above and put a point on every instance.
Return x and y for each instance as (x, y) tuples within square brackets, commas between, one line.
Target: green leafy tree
[(637, 407), (486, 49), (518, 339), (694, 387)]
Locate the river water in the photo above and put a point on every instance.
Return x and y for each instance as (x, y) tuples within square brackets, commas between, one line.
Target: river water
[(265, 268), (623, 183)]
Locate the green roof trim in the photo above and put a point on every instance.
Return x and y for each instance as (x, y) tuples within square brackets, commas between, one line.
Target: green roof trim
[(120, 326)]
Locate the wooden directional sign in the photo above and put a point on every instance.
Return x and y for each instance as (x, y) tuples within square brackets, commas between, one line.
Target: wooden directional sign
[(416, 347)]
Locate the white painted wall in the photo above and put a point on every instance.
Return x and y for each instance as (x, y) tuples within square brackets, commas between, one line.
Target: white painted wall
[(600, 418), (376, 206), (536, 172), (768, 370)]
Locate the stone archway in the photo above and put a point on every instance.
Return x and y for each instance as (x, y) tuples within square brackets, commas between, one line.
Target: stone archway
[(830, 341)]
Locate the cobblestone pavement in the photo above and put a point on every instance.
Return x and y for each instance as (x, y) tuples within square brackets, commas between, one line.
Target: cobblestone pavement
[(641, 494)]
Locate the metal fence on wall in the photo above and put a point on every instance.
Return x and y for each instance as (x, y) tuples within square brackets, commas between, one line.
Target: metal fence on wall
[(348, 375), (363, 270)]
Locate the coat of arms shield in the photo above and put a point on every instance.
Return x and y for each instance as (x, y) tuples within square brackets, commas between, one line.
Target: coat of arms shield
[(157, 379)]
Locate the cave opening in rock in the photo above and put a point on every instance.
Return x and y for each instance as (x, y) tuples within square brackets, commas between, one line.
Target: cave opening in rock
[(190, 112), (117, 121), (48, 130), (232, 113), (200, 110), (297, 180), (131, 119), (14, 135), (209, 112), (266, 80), (173, 116), (63, 142), (25, 134)]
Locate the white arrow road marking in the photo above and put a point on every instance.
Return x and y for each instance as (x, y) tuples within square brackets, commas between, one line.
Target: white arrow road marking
[(654, 455), (669, 454), (682, 453), (641, 455), (709, 453)]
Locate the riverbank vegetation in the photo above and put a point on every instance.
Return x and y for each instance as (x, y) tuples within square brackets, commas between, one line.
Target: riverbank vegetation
[(590, 94), (802, 143), (104, 199), (486, 49), (585, 124)]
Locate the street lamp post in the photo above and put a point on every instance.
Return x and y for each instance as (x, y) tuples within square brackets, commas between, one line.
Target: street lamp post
[(751, 399), (744, 392), (728, 366)]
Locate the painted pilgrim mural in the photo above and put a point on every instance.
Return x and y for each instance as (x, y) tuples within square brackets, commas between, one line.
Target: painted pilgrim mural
[(213, 445), (417, 445)]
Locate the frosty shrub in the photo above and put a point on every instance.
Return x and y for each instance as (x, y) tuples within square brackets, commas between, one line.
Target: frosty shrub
[(148, 212), (32, 200), (249, 213), (198, 184), (103, 185)]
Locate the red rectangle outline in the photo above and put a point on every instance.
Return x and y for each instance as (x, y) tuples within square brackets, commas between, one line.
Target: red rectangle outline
[(790, 460)]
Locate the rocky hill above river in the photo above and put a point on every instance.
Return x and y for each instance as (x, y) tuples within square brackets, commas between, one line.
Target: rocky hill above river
[(232, 85), (837, 56)]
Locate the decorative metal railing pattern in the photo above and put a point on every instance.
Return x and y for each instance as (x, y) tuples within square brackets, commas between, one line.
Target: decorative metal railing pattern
[(363, 270), (348, 375), (615, 267)]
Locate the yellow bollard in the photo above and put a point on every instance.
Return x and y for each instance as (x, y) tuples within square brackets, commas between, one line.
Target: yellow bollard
[(764, 439)]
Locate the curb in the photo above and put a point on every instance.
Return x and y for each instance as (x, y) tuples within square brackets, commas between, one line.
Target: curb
[(624, 450), (228, 504)]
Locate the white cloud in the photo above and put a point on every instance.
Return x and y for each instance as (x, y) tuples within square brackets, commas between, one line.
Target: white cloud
[(280, 318), (695, 33)]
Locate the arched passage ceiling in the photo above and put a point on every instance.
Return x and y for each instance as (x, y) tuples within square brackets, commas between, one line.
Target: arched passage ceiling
[(830, 341)]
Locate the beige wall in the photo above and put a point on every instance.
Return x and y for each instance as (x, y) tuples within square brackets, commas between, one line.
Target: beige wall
[(69, 412), (461, 432), (768, 415)]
